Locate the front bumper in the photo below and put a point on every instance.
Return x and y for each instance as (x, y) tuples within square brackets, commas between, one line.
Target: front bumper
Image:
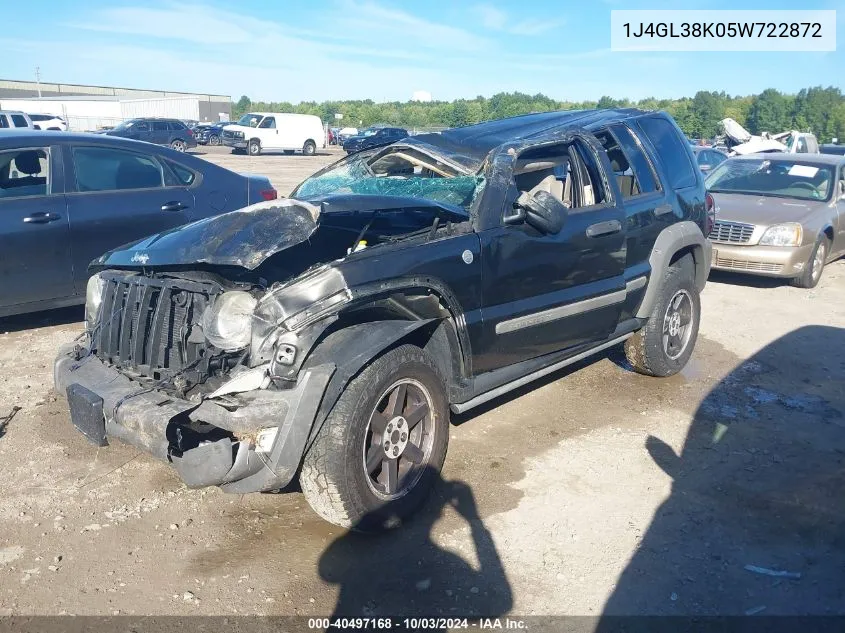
[(771, 261), (118, 407), (237, 143)]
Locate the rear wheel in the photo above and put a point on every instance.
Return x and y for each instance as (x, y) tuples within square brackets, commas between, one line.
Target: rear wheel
[(310, 148), (382, 446), (178, 145), (665, 343), (254, 147), (814, 267), (214, 140)]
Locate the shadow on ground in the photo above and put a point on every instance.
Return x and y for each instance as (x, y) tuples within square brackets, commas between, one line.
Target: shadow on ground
[(760, 481), (45, 318), (405, 573)]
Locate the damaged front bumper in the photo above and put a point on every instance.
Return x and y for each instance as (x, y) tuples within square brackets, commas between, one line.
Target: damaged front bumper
[(105, 403)]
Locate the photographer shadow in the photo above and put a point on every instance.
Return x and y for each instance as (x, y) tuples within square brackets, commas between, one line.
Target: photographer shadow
[(405, 573)]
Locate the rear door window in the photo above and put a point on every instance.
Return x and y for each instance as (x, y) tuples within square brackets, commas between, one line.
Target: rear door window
[(107, 169), (159, 126), (181, 176), (629, 164), (24, 173), (672, 150), (19, 120), (175, 125), (4, 122)]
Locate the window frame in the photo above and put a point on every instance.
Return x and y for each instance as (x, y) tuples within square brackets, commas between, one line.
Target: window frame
[(682, 146), (658, 188), (50, 171), (73, 183), (22, 118), (261, 125)]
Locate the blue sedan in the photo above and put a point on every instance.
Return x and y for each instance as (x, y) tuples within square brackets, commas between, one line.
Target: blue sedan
[(67, 198)]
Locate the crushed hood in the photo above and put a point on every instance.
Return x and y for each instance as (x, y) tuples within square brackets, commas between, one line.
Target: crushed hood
[(244, 238)]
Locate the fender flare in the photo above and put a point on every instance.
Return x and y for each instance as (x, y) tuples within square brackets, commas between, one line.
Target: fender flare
[(684, 235)]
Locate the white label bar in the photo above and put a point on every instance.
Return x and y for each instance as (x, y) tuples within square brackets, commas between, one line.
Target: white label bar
[(760, 31)]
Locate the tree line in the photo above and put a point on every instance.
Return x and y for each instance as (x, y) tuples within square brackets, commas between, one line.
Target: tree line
[(818, 110)]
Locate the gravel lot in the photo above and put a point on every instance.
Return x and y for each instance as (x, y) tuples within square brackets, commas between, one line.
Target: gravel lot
[(594, 491)]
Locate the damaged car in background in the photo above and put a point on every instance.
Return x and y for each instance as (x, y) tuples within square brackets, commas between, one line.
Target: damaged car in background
[(740, 142), (329, 335)]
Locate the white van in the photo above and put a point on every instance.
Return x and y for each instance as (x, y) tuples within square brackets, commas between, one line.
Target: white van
[(258, 132), (9, 120)]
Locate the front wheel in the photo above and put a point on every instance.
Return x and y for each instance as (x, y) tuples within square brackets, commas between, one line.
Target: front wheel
[(254, 147), (665, 343), (382, 447), (815, 265), (214, 140), (309, 149), (178, 145)]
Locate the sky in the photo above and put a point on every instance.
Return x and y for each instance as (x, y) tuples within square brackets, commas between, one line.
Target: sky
[(293, 50)]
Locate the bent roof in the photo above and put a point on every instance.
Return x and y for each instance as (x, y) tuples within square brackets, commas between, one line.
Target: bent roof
[(470, 145)]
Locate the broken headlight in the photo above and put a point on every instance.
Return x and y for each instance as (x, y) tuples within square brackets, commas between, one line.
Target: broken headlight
[(93, 299), (227, 323), (296, 305)]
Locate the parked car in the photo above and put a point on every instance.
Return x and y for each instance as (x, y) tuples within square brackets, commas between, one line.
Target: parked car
[(779, 215), (708, 157), (10, 120), (69, 197), (48, 122), (171, 132), (344, 133), (838, 150), (330, 334), (211, 134), (258, 132), (374, 137)]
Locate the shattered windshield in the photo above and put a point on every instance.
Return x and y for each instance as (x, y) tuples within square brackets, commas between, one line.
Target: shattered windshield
[(250, 120), (782, 179), (399, 171)]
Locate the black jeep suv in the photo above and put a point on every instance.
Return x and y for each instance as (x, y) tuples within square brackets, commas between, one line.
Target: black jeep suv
[(330, 334)]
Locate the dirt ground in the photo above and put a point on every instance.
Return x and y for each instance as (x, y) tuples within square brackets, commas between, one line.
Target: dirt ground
[(596, 491)]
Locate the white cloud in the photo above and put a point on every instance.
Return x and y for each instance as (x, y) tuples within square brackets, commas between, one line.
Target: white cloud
[(495, 19)]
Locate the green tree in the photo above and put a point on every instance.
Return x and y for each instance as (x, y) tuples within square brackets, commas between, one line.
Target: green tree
[(769, 112), (707, 108)]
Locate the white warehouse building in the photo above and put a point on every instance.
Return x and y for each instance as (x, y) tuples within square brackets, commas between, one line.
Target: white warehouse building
[(95, 112)]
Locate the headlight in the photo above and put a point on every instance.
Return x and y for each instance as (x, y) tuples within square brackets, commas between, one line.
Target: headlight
[(227, 323), (789, 234), (93, 299)]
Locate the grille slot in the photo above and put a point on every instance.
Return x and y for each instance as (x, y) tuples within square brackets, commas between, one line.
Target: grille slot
[(145, 323), (731, 232)]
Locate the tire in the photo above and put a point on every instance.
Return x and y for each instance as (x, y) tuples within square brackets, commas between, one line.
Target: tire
[(309, 149), (814, 267), (254, 147), (213, 140), (650, 350), (335, 479), (178, 145)]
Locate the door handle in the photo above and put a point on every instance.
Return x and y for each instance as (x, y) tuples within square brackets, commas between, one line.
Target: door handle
[(173, 206), (604, 228), (42, 217), (663, 209)]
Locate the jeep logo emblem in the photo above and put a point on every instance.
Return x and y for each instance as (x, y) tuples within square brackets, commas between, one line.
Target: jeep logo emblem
[(140, 258)]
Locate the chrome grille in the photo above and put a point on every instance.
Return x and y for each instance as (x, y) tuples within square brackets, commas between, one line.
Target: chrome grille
[(738, 264), (145, 324), (731, 232)]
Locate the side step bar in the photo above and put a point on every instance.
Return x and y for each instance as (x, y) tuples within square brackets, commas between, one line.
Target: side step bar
[(524, 380)]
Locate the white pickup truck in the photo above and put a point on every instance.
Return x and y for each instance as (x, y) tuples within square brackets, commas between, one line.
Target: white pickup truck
[(257, 132)]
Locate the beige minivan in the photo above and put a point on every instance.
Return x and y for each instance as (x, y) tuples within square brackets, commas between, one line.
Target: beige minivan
[(779, 215)]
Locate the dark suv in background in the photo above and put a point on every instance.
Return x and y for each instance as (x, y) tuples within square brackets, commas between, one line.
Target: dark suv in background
[(374, 137), (170, 132)]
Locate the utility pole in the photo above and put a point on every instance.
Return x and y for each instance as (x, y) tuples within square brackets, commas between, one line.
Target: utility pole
[(38, 79)]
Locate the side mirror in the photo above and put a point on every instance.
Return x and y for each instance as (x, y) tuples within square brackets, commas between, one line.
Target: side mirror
[(542, 211)]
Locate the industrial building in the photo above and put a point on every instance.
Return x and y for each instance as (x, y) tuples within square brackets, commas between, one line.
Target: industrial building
[(96, 107)]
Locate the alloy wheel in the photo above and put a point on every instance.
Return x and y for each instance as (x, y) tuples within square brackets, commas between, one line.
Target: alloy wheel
[(677, 324), (399, 438)]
